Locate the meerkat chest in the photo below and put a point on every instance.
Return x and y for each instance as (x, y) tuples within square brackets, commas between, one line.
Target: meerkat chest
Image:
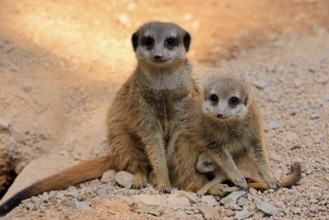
[(166, 104)]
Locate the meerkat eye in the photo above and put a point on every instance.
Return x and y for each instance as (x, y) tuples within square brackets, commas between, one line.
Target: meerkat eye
[(171, 42), (207, 164), (147, 42), (213, 98), (234, 101)]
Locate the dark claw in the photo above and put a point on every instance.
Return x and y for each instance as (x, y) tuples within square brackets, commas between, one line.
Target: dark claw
[(165, 190), (245, 189)]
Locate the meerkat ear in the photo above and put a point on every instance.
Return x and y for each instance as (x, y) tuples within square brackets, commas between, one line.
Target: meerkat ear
[(246, 101), (187, 41), (134, 40)]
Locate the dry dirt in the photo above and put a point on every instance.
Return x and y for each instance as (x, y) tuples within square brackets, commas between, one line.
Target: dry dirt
[(61, 63)]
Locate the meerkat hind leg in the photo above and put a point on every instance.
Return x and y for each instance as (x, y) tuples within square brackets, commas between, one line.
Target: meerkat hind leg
[(139, 180), (214, 187)]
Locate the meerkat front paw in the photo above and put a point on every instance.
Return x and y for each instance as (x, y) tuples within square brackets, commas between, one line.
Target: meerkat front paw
[(273, 183), (240, 181)]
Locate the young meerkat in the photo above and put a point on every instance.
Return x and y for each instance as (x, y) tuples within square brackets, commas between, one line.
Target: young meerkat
[(248, 169), (145, 115), (229, 104), (229, 126)]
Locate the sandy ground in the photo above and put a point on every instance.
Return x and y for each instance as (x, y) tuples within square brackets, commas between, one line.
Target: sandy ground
[(61, 63)]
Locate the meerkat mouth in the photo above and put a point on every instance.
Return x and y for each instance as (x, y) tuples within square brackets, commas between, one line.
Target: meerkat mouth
[(221, 117), (160, 61)]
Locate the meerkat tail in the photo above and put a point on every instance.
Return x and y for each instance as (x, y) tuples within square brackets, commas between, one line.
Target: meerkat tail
[(83, 171), (293, 177)]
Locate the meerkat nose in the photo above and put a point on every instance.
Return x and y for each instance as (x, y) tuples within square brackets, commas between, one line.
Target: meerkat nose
[(220, 116), (158, 56)]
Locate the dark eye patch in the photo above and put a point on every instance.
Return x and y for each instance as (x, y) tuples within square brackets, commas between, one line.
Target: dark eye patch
[(233, 101), (213, 98), (207, 163), (147, 42), (171, 42)]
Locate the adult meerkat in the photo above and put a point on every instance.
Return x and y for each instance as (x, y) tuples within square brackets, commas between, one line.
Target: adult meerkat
[(230, 126), (248, 169), (144, 116)]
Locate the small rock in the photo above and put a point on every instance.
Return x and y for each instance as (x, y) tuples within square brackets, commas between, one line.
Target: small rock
[(313, 208), (147, 200), (291, 136), (326, 97), (298, 83), (124, 179), (233, 206), (209, 212), (242, 201), (295, 147), (314, 116), (273, 124), (101, 192), (294, 105), (148, 204), (4, 123), (35, 199), (275, 157), (209, 200), (321, 79), (320, 166), (108, 176), (262, 82), (292, 198), (180, 215), (78, 205), (296, 210), (314, 201), (243, 214), (44, 196), (191, 196), (233, 197), (309, 170), (177, 202), (323, 202), (266, 207), (312, 69), (30, 206), (253, 191), (273, 97), (315, 105), (149, 209), (229, 212)]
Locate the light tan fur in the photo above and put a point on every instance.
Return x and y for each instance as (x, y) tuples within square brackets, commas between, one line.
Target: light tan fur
[(144, 117), (247, 168), (224, 133)]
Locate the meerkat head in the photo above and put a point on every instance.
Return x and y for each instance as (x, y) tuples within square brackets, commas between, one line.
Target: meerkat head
[(161, 44), (226, 98), (205, 164)]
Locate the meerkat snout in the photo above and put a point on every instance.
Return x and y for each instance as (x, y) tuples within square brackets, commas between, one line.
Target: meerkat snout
[(158, 57)]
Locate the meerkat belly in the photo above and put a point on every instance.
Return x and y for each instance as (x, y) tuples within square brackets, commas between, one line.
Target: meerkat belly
[(168, 107)]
